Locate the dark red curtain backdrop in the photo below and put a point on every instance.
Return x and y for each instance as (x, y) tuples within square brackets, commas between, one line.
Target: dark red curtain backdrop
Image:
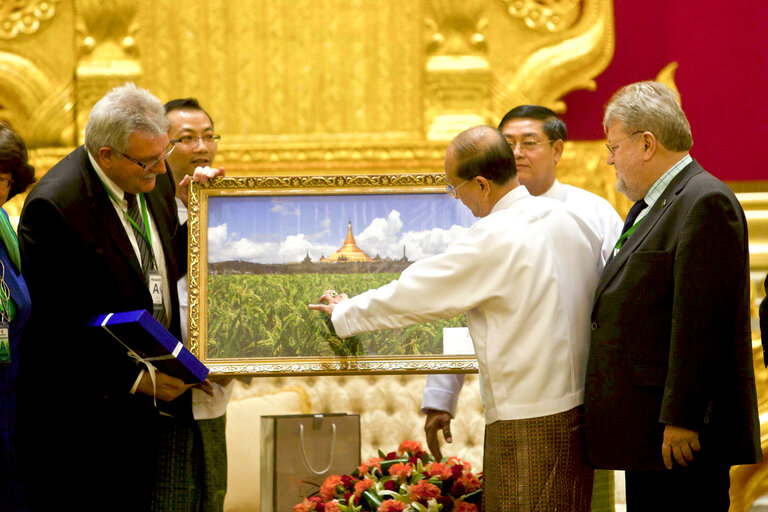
[(722, 51)]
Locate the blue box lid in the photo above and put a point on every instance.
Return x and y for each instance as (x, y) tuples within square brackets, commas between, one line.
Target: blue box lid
[(143, 334)]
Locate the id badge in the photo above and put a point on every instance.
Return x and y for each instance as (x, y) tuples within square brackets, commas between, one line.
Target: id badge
[(156, 288), (5, 343)]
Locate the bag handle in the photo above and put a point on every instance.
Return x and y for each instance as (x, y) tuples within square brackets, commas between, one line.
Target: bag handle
[(304, 450)]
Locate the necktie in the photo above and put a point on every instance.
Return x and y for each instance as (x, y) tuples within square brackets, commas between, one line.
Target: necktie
[(145, 250), (633, 213), (625, 232)]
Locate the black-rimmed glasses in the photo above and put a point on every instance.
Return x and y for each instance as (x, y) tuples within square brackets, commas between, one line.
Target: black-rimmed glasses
[(149, 165)]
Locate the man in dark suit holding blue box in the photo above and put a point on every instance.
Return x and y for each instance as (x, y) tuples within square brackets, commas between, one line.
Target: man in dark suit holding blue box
[(670, 390), (100, 234)]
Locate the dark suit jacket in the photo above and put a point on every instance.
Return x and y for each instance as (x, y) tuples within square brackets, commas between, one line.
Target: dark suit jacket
[(671, 339), (79, 262)]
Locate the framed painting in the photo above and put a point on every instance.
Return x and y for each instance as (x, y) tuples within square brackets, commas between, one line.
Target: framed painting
[(263, 248)]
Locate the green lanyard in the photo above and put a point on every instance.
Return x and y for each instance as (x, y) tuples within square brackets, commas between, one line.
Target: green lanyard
[(626, 234), (7, 306), (145, 233)]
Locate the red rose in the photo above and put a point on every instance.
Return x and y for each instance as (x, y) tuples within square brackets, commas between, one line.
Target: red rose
[(363, 485), (329, 487), (401, 471), (462, 506), (305, 506), (392, 506), (471, 483), (443, 471), (424, 491), (348, 481), (332, 506), (411, 447)]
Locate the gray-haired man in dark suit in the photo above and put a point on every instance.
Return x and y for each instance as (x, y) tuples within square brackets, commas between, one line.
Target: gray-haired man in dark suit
[(670, 391)]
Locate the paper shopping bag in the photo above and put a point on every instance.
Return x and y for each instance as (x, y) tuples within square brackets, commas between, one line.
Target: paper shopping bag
[(300, 451)]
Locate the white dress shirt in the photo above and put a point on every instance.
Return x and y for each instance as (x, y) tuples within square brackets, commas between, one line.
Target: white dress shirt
[(525, 275), (121, 208), (594, 210), (441, 392)]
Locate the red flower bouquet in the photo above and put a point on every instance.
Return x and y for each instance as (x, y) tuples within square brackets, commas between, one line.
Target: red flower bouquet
[(407, 480)]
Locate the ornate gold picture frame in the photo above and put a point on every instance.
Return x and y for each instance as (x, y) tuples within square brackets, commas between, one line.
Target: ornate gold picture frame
[(262, 248)]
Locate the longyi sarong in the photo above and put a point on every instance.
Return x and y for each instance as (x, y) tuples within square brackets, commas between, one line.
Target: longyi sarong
[(537, 464)]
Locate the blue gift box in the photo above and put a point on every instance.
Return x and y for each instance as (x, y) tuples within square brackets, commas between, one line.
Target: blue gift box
[(142, 333)]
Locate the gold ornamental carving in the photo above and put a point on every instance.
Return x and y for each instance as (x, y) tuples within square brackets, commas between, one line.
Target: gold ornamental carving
[(667, 77), (107, 51), (349, 366), (106, 30), (458, 74), (24, 16), (549, 15), (457, 28), (548, 65), (34, 104)]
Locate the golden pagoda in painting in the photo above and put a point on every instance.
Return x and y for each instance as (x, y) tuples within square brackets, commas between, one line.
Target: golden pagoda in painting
[(349, 251)]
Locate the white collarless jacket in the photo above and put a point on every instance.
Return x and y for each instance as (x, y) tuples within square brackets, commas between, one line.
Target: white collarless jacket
[(524, 274)]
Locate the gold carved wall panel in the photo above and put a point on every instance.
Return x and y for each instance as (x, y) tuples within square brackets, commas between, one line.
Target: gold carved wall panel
[(24, 16), (363, 83), (293, 70), (36, 82)]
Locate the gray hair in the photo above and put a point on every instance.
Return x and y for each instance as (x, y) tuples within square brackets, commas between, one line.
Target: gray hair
[(654, 107), (122, 111)]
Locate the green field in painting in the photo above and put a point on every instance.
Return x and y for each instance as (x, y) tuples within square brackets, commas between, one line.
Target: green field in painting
[(266, 315)]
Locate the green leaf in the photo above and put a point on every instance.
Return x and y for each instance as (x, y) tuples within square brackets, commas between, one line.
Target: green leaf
[(372, 498)]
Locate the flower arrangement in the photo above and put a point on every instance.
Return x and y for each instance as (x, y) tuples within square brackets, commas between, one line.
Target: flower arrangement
[(407, 480)]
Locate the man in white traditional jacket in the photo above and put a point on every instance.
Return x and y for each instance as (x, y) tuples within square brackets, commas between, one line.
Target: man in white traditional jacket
[(537, 136), (524, 274)]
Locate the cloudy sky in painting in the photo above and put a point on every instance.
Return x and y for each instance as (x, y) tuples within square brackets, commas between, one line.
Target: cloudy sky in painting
[(278, 229)]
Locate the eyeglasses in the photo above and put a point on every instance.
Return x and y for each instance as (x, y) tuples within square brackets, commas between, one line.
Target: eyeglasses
[(452, 190), (191, 140), (151, 164), (527, 145), (6, 181), (612, 147)]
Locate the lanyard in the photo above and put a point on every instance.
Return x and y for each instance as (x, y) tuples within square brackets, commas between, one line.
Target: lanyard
[(626, 234), (7, 307), (145, 233)]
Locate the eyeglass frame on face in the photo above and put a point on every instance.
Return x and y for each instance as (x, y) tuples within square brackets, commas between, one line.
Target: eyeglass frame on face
[(154, 162), (612, 147), (452, 190), (194, 140), (527, 146), (6, 181)]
